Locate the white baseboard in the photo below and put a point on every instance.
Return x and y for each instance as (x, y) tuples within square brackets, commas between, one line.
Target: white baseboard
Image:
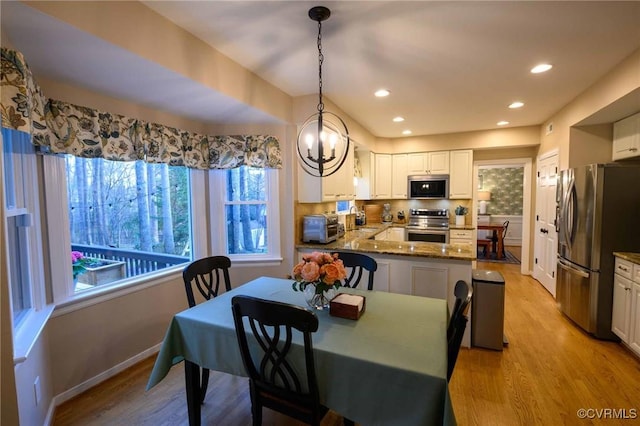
[(86, 385)]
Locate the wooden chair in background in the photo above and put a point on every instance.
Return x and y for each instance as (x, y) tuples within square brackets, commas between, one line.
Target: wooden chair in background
[(358, 262), (204, 275)]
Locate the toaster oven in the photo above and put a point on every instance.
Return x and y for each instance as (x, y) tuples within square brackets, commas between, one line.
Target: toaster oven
[(320, 228)]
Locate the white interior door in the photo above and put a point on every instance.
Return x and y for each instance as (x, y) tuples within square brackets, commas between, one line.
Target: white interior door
[(546, 237)]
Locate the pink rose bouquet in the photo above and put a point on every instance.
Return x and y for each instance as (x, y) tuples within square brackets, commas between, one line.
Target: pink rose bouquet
[(323, 270)]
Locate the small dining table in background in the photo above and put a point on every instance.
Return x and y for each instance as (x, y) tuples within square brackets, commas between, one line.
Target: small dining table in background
[(388, 367), (497, 229)]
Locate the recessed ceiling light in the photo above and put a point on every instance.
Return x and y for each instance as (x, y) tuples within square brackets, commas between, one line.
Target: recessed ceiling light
[(516, 104), (398, 119), (406, 132), (502, 123), (382, 93), (541, 68)]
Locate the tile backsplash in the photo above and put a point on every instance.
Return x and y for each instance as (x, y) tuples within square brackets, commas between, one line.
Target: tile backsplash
[(506, 186)]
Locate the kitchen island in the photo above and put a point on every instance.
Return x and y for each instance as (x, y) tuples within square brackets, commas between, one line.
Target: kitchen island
[(407, 267)]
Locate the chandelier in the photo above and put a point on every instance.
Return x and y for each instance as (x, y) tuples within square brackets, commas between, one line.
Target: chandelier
[(323, 140)]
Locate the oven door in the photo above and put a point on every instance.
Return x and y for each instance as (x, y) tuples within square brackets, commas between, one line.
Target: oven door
[(428, 235)]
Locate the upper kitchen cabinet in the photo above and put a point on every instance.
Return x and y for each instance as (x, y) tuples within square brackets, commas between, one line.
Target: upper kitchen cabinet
[(336, 187), (435, 163), (626, 138), (382, 175), (461, 176), (399, 176)]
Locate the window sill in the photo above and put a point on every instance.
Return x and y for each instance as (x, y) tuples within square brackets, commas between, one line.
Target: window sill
[(85, 299), (253, 261), (28, 333)]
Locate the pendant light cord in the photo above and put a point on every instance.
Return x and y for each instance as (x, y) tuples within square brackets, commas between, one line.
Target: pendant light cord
[(320, 61)]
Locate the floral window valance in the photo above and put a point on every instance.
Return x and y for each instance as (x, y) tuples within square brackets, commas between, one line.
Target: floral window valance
[(64, 128)]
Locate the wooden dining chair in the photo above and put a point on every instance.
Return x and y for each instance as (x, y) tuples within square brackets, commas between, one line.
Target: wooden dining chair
[(358, 262), (273, 381), (457, 323), (485, 245), (205, 275), (505, 226)]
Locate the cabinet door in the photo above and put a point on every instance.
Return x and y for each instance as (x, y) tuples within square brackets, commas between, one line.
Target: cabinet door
[(417, 163), (382, 176), (626, 137), (461, 236), (399, 183), (461, 175), (339, 186), (429, 282), (396, 234), (634, 317), (438, 163), (381, 278), (621, 307), (382, 236)]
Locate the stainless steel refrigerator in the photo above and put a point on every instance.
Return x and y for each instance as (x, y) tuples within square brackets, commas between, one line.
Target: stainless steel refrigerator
[(598, 213)]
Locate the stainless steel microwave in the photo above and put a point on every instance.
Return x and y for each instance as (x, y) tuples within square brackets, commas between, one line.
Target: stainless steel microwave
[(428, 186)]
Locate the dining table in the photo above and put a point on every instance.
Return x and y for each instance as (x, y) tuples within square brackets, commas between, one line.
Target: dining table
[(389, 367), (497, 238)]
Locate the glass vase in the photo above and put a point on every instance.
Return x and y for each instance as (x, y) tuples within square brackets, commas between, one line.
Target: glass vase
[(317, 298)]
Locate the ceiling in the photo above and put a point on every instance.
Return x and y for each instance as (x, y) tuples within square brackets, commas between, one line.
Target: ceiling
[(450, 66)]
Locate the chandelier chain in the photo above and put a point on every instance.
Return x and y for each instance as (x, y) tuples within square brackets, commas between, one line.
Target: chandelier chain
[(320, 61)]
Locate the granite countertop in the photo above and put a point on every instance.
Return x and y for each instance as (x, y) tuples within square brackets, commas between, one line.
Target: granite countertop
[(631, 257), (360, 240)]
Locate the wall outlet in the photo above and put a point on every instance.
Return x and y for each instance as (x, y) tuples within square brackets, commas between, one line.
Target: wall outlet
[(36, 390)]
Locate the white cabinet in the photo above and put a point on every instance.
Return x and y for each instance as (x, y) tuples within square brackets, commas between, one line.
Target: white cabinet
[(393, 233), (626, 138), (364, 185), (396, 233), (399, 176), (621, 306), (461, 236), (625, 319), (336, 187), (461, 174), (382, 176), (436, 163)]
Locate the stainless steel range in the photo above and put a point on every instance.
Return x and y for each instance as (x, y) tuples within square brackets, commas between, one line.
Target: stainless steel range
[(430, 225)]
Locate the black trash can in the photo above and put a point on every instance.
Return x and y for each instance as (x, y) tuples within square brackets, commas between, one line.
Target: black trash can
[(487, 310)]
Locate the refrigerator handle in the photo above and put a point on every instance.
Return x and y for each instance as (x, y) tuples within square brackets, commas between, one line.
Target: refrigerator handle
[(572, 269), (569, 212)]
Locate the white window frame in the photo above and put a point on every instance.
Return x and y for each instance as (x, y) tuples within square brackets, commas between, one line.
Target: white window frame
[(217, 214), (59, 239), (26, 332)]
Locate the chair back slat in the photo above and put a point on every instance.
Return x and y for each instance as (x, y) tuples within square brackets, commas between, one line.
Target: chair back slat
[(275, 383), (358, 262), (205, 275)]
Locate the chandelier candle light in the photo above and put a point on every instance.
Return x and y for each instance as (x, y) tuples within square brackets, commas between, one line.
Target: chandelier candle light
[(322, 127)]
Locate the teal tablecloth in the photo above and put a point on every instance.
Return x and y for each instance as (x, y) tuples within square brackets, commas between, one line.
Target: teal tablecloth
[(387, 368)]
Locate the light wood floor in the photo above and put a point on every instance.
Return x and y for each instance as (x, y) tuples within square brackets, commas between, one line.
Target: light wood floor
[(549, 370)]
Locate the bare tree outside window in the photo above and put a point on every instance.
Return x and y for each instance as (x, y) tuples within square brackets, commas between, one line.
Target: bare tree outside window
[(246, 210), (134, 213)]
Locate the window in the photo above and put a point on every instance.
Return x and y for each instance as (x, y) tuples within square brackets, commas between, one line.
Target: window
[(126, 219), (21, 210), (245, 214), (343, 206)]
